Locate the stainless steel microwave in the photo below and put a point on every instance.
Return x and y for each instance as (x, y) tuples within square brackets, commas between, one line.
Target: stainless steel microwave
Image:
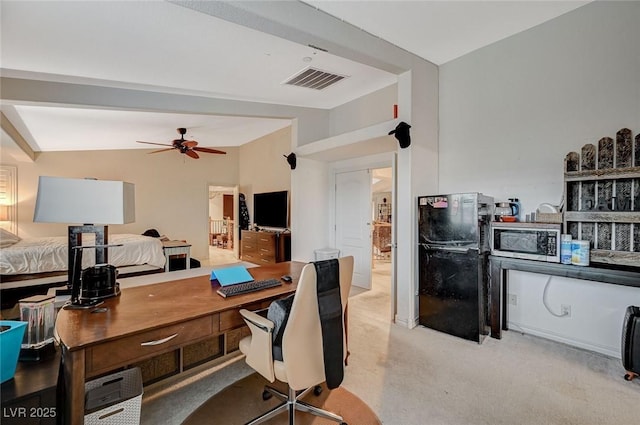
[(529, 241)]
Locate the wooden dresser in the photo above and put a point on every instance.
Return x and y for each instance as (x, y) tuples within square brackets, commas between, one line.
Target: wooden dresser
[(265, 247)]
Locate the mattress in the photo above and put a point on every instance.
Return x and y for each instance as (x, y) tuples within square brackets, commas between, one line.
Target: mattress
[(50, 254)]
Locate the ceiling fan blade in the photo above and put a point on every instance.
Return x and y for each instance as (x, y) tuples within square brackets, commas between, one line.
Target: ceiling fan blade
[(190, 143), (162, 150), (192, 154), (209, 150), (152, 143)]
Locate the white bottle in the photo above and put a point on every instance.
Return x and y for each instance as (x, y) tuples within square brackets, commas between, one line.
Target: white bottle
[(565, 249)]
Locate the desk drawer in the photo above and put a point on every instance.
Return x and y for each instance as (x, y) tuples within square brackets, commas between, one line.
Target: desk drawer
[(124, 351)]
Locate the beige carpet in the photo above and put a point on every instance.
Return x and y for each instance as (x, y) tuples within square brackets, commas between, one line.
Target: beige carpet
[(423, 377), (242, 401)]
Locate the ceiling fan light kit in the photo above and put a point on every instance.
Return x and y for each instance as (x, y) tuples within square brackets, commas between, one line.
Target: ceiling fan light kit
[(187, 147)]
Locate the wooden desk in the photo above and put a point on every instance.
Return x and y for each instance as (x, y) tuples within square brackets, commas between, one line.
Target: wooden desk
[(500, 266), (146, 321)]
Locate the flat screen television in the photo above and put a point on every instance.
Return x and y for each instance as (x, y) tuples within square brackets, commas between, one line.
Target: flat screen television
[(270, 209)]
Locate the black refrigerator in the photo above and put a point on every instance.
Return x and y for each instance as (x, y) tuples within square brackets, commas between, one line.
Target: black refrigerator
[(453, 256)]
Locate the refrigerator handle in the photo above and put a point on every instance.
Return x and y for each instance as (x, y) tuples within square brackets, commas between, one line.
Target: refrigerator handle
[(446, 248)]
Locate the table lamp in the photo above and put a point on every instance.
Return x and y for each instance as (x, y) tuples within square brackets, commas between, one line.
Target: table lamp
[(97, 203)]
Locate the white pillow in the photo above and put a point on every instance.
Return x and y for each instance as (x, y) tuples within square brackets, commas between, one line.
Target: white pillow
[(7, 238)]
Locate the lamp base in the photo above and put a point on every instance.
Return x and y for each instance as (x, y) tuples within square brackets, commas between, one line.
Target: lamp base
[(82, 304)]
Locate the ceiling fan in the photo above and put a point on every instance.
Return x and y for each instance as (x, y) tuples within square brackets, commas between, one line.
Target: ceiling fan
[(188, 147)]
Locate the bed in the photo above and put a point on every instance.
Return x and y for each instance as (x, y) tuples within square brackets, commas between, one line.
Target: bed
[(50, 254), (42, 261)]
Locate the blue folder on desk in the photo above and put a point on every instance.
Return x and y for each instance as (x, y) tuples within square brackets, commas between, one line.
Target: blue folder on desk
[(231, 275)]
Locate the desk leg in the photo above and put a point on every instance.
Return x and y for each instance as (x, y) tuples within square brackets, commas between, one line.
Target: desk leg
[(74, 367), (496, 286)]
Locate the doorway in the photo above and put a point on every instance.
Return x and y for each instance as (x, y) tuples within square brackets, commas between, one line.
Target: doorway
[(382, 235), (353, 222), (381, 207), (223, 212), (364, 213)]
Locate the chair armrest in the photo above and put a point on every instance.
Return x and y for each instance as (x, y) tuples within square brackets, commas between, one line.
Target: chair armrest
[(259, 351), (258, 320)]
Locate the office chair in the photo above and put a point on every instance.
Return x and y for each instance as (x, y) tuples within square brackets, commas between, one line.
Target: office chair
[(302, 367)]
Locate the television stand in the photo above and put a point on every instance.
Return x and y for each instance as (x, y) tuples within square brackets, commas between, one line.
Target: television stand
[(263, 247)]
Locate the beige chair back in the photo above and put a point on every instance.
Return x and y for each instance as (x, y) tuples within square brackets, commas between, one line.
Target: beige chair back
[(302, 339)]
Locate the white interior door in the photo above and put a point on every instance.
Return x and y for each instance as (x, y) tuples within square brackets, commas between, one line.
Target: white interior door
[(353, 222)]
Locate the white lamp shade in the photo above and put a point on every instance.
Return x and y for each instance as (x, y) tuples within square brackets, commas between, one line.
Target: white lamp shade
[(85, 201)]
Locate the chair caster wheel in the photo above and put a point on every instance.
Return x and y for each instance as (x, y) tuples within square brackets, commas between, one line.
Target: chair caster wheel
[(317, 390), (266, 395)]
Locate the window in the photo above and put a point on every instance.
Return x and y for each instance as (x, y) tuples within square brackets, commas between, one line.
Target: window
[(8, 198)]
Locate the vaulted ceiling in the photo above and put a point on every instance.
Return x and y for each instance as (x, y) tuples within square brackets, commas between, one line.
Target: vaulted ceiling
[(184, 47)]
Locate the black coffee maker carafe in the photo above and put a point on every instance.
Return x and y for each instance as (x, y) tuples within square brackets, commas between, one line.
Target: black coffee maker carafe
[(89, 287), (99, 282)]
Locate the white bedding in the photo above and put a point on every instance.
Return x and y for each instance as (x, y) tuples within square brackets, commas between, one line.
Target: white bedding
[(49, 254)]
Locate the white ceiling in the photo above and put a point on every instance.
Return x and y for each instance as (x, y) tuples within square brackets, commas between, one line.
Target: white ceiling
[(162, 47), (440, 31)]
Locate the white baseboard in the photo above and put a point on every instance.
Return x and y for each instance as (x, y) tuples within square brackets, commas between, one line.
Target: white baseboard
[(586, 345), (410, 324)]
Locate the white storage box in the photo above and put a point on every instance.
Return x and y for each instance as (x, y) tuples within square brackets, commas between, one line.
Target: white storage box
[(326, 253), (115, 399)]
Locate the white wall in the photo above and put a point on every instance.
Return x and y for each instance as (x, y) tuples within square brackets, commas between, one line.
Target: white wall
[(215, 205), (510, 112), (417, 174), (310, 206), (368, 110), (171, 189), (263, 167), (597, 310)]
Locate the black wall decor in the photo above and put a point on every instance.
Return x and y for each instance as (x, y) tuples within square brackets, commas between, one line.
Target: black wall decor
[(402, 134), (291, 159)]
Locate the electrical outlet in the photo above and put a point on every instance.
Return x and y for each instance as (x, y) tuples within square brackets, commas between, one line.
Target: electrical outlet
[(513, 299), (565, 310)]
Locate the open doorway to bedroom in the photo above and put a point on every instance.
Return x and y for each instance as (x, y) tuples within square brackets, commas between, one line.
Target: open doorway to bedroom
[(381, 235), (223, 214)]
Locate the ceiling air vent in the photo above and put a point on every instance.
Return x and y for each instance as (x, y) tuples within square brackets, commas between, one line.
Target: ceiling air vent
[(314, 79)]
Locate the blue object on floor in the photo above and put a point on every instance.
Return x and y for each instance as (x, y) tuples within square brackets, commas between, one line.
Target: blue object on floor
[(10, 341)]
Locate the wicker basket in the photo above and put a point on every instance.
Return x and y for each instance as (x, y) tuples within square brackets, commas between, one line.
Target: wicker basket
[(121, 409)]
